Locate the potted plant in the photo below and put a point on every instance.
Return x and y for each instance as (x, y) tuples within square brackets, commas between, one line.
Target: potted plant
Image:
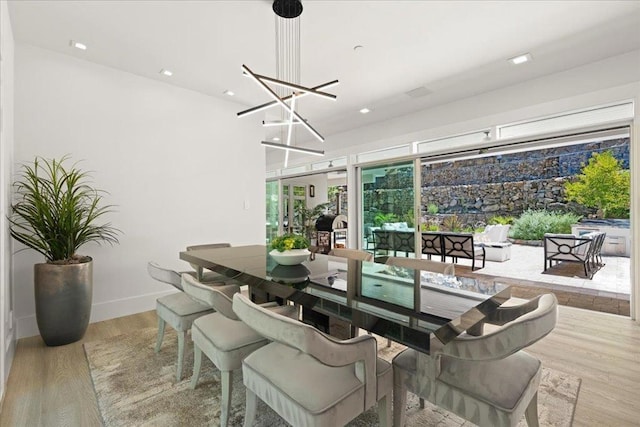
[(56, 212), (289, 249)]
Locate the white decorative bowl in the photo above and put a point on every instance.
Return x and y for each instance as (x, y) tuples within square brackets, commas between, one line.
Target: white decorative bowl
[(291, 257)]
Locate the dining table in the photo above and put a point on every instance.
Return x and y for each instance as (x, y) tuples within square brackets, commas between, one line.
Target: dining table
[(418, 309)]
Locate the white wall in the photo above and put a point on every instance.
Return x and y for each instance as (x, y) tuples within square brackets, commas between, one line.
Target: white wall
[(180, 166), (7, 331)]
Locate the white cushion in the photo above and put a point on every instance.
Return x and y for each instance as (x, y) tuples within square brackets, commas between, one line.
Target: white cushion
[(225, 341), (333, 395), (180, 310)]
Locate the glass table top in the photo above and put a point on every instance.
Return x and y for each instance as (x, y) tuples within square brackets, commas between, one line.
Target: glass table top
[(407, 306)]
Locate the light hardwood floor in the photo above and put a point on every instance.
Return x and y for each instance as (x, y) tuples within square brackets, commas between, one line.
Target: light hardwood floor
[(51, 386)]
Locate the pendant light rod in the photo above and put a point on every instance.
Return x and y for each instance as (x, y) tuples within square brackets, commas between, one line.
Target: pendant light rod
[(270, 104), (294, 86), (279, 123), (282, 103)]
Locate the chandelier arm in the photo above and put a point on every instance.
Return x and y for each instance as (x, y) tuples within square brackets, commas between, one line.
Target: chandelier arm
[(282, 103), (308, 90), (270, 104)]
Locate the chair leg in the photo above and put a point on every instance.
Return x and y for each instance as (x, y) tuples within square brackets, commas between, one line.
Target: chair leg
[(384, 411), (161, 326), (531, 414), (197, 365), (388, 343), (399, 405), (227, 381), (250, 411), (182, 335)]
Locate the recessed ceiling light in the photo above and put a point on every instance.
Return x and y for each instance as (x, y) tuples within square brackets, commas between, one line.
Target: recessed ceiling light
[(275, 138), (77, 45), (228, 92), (520, 59), (167, 73), (365, 111)]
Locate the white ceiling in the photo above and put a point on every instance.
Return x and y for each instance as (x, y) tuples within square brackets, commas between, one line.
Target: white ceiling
[(454, 49)]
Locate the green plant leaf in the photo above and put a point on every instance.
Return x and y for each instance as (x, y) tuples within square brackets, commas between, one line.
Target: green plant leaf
[(57, 210)]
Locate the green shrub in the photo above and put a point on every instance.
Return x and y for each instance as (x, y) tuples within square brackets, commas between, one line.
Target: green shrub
[(602, 184), (409, 217), (533, 224), (452, 223), (432, 209), (382, 218), (501, 220)]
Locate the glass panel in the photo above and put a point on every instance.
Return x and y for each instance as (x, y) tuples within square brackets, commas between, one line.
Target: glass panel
[(451, 143), (567, 121), (325, 164), (272, 210), (387, 153), (387, 209), (299, 191), (299, 206)]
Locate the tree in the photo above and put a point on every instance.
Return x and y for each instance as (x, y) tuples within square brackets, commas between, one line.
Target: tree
[(602, 184)]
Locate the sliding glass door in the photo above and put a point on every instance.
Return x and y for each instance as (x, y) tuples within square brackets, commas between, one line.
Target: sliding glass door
[(388, 208)]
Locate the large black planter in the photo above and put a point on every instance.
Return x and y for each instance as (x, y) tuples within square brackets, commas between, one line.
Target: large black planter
[(63, 296)]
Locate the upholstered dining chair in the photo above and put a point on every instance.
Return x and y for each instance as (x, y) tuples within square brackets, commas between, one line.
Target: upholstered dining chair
[(221, 336), (356, 254), (423, 264), (309, 378), (177, 309), (208, 276), (487, 379)]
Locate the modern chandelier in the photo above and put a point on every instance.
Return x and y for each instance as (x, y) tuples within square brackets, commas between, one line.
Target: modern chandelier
[(285, 89)]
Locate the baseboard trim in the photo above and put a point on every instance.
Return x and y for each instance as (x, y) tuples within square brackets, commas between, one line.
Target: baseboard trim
[(27, 326)]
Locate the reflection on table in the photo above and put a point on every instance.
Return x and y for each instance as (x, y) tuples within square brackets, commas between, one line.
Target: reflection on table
[(405, 305)]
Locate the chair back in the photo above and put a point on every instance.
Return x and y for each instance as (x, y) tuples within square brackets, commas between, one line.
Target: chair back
[(359, 351), (205, 246), (164, 275), (423, 264), (458, 245), (383, 239), (209, 246), (432, 243), (355, 254), (217, 297), (522, 326), (566, 247), (404, 241)]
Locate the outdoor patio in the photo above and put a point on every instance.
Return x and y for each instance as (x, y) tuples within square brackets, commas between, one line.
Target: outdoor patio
[(608, 291), (527, 263)]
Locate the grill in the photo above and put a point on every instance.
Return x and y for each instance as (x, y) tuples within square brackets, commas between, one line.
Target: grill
[(332, 232)]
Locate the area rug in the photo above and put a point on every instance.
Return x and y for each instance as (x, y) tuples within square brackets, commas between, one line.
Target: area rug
[(135, 386)]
